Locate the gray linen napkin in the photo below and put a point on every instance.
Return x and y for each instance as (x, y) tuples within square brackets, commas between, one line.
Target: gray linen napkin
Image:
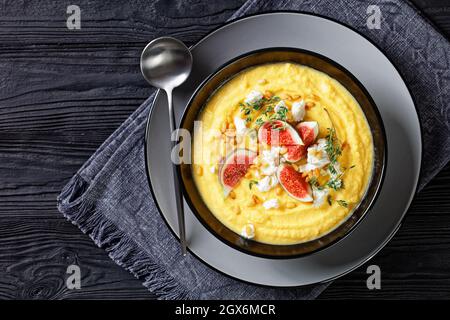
[(109, 198)]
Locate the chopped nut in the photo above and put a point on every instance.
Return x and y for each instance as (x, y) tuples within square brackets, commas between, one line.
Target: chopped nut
[(223, 127), (316, 172), (283, 150), (315, 97), (232, 195), (262, 81), (278, 191), (345, 145), (248, 175), (295, 166), (291, 205), (309, 105), (268, 94), (255, 199), (296, 97)]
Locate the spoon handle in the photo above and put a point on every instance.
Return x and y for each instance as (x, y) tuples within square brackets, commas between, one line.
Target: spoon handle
[(178, 194)]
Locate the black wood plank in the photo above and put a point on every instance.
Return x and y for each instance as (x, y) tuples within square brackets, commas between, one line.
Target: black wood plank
[(50, 125)]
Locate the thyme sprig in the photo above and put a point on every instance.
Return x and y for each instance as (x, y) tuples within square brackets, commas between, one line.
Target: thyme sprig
[(342, 203), (251, 183), (265, 104)]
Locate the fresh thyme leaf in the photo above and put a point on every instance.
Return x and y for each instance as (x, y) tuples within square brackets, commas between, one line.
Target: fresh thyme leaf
[(335, 184), (268, 110), (329, 200), (332, 146), (342, 203), (281, 114), (313, 181), (251, 183), (248, 119), (351, 167), (259, 122), (332, 170)]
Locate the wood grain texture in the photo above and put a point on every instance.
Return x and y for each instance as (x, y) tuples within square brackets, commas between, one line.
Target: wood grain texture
[(50, 125)]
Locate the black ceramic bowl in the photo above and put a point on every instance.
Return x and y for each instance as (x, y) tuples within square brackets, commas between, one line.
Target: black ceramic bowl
[(334, 70)]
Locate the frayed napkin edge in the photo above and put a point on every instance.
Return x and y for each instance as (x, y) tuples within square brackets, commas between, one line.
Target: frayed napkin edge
[(80, 211)]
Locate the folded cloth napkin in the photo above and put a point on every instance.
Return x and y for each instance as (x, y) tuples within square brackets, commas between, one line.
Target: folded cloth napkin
[(109, 198)]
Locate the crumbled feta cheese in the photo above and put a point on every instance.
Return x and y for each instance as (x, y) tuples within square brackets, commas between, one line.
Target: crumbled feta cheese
[(337, 170), (270, 160), (271, 203), (273, 181), (272, 155), (267, 183), (253, 97), (248, 231), (298, 110), (241, 126), (264, 184), (279, 106), (319, 196), (212, 169), (317, 157), (268, 169)]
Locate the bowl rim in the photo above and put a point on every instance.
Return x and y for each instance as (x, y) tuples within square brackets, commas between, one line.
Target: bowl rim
[(378, 183)]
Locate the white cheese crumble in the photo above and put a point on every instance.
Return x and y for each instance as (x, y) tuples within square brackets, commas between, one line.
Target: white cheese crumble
[(319, 196), (241, 127), (279, 106), (253, 97), (248, 231), (271, 203), (270, 160), (212, 169), (317, 157), (267, 183), (298, 110)]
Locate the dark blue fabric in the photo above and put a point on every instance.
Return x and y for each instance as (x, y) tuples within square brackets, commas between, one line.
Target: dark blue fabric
[(109, 198)]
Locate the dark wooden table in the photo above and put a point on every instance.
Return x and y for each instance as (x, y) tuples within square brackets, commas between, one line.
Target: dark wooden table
[(50, 125)]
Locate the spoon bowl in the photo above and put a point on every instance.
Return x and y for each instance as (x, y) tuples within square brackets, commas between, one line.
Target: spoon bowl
[(166, 63)]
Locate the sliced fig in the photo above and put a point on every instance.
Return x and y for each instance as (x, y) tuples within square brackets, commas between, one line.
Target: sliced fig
[(308, 131), (281, 134), (235, 167), (294, 184)]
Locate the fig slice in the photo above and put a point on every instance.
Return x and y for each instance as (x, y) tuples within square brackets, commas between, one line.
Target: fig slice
[(294, 184), (308, 131), (281, 134), (235, 167)]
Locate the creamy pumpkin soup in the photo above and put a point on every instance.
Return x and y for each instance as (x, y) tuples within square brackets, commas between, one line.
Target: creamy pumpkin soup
[(285, 154)]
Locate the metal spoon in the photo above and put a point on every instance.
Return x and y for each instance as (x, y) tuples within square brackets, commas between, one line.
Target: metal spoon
[(166, 63)]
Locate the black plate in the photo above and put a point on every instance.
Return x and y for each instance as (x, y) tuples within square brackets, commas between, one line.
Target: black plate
[(318, 62)]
